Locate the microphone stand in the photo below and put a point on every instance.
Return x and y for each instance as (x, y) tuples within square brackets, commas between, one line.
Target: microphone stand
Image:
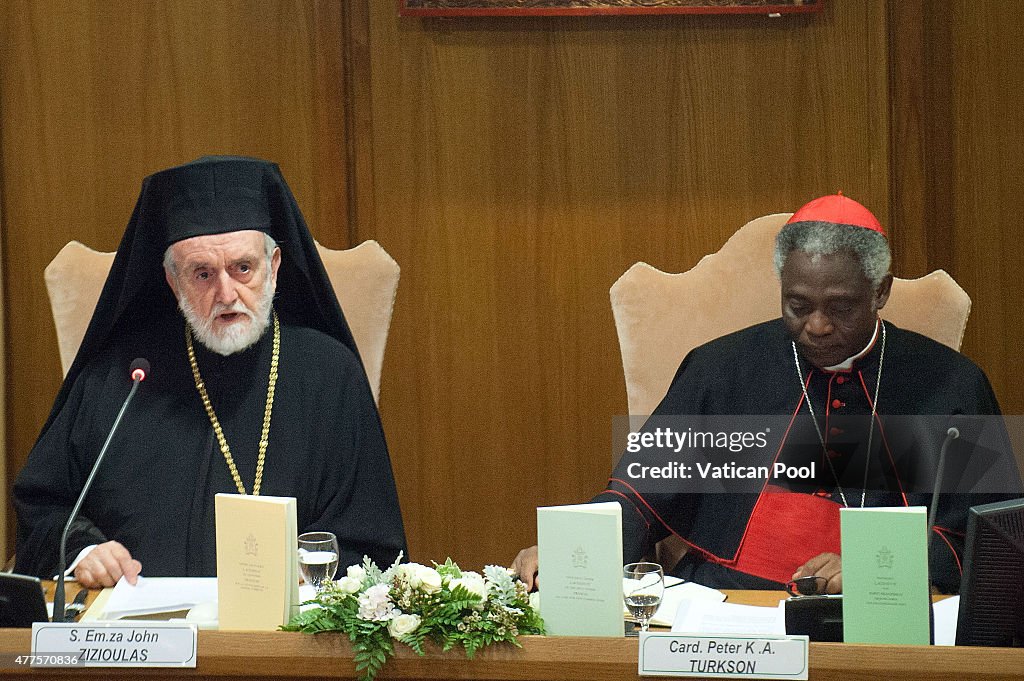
[(59, 601), (951, 434)]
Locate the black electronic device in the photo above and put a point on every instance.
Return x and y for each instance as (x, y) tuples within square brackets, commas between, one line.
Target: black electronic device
[(820, 618), (21, 601), (992, 588)]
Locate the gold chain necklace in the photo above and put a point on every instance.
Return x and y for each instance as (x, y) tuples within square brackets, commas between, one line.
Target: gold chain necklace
[(264, 435)]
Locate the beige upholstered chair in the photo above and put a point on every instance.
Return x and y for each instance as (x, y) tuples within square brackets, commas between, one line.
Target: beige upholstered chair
[(365, 279), (74, 280), (660, 317)]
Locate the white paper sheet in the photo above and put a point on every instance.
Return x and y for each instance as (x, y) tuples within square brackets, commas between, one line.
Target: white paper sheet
[(677, 591), (306, 593), (159, 594), (946, 612), (710, 617)]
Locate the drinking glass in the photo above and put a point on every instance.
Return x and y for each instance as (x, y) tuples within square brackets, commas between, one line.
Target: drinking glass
[(318, 557), (643, 585)]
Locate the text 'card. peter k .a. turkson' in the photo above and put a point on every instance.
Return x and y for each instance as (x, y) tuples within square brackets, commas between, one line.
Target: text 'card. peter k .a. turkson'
[(257, 561), (580, 562)]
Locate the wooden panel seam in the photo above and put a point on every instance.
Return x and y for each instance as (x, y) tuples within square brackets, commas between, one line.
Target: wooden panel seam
[(358, 119)]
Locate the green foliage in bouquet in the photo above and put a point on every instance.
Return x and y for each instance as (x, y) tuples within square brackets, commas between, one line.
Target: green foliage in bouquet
[(413, 603)]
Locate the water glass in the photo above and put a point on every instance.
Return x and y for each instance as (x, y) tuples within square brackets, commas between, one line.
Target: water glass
[(643, 585), (318, 557)]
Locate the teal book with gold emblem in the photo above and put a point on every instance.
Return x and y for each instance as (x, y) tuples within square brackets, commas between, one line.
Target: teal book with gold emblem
[(886, 598), (580, 568)]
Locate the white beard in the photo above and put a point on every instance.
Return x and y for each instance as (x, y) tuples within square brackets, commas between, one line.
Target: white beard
[(235, 337)]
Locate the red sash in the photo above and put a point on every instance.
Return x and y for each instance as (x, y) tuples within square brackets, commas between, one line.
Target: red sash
[(785, 530)]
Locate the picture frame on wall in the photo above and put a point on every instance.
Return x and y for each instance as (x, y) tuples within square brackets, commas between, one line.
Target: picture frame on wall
[(471, 8)]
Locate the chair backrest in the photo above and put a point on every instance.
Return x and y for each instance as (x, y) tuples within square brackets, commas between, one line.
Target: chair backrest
[(365, 279), (660, 317), (74, 280)]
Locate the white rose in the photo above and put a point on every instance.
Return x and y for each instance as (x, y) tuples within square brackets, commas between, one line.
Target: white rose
[(410, 571), (473, 583), (429, 578), (403, 624), (349, 585), (356, 572)]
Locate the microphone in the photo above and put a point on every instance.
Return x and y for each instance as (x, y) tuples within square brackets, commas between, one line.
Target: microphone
[(138, 371), (951, 434)]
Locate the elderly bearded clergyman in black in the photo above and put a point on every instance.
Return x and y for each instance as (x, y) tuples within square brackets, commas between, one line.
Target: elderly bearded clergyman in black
[(256, 388)]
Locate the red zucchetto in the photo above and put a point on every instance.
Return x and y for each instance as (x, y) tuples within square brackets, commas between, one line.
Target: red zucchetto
[(840, 210)]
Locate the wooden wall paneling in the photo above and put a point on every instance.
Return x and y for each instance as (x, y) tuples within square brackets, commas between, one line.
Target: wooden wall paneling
[(3, 382), (96, 95), (956, 118), (359, 118), (521, 166), (987, 183), (956, 121), (877, 110), (922, 138)]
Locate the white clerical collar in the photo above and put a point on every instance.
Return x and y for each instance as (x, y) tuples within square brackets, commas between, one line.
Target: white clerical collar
[(845, 365)]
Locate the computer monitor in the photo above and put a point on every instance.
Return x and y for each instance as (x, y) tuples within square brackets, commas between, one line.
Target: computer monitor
[(992, 588)]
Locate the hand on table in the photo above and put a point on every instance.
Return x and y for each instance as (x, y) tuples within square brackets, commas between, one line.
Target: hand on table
[(826, 565), (106, 564)]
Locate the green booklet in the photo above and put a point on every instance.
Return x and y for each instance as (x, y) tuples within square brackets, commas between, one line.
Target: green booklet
[(886, 598), (580, 562)]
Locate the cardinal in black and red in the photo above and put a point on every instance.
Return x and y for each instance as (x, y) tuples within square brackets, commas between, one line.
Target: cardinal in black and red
[(832, 370)]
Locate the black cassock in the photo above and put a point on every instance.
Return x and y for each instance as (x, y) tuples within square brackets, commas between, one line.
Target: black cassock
[(756, 538), (155, 490)]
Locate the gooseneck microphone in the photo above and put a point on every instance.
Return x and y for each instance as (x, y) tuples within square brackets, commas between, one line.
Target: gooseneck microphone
[(139, 370), (951, 434)]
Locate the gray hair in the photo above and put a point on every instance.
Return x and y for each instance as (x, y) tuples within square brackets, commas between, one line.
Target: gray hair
[(827, 238), (268, 247)]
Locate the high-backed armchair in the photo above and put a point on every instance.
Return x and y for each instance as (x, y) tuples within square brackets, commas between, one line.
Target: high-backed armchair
[(660, 317), (365, 279)]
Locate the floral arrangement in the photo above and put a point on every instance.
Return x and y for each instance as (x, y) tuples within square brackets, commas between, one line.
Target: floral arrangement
[(413, 603)]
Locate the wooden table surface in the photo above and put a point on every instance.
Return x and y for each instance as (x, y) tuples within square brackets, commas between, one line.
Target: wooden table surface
[(283, 656)]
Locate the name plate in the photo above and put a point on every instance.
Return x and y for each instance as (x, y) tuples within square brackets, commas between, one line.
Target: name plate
[(727, 656), (114, 644)]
